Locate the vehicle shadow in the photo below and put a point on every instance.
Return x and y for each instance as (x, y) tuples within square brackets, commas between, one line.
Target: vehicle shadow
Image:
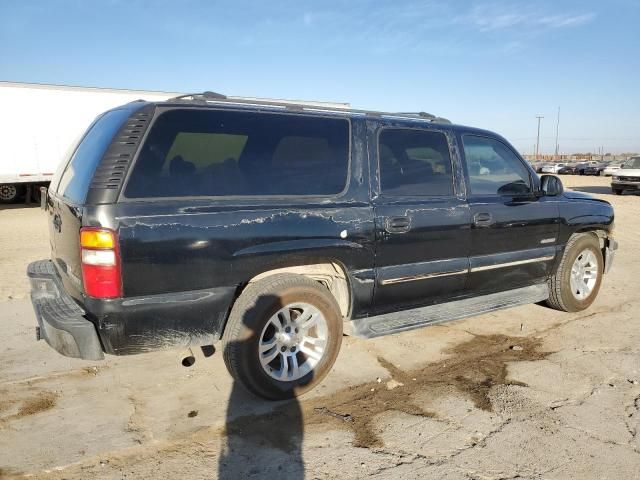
[(262, 439), (601, 190), (18, 206)]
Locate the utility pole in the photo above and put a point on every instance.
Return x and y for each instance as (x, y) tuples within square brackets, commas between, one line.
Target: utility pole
[(557, 130), (539, 117)]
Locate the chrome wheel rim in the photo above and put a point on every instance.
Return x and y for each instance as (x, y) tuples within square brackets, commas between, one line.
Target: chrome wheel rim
[(584, 274), (8, 192), (293, 342)]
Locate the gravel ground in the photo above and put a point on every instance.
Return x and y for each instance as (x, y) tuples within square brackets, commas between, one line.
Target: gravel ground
[(524, 393)]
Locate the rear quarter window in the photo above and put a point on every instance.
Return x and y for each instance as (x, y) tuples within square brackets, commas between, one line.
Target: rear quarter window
[(191, 153), (73, 180)]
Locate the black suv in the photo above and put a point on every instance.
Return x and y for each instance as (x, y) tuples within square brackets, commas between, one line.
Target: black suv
[(275, 228)]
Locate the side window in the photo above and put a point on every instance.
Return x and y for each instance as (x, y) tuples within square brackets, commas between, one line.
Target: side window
[(414, 162), (493, 168), (218, 153)]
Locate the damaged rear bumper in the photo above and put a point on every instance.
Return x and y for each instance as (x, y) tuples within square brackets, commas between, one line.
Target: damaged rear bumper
[(61, 320)]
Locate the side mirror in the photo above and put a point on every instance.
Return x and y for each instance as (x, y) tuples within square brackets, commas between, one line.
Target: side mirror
[(551, 185)]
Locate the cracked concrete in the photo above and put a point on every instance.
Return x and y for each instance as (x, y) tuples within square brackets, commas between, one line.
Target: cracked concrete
[(572, 412)]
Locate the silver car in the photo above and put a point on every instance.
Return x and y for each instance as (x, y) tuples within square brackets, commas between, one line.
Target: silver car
[(552, 167), (611, 169), (628, 177)]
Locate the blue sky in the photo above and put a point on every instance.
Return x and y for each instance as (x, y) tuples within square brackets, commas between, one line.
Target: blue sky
[(492, 64)]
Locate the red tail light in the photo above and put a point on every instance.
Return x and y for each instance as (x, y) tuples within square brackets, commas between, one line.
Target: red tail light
[(100, 262)]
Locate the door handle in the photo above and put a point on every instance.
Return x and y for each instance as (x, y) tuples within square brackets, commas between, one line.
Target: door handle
[(482, 219), (397, 224)]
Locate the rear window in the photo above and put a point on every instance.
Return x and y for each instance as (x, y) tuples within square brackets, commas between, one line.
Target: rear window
[(216, 153), (74, 180)]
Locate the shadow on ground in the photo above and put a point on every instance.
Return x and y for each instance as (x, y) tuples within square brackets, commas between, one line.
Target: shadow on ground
[(606, 190), (18, 206), (267, 445)]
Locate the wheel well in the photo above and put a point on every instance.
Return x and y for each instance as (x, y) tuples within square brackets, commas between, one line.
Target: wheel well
[(330, 274), (599, 233)]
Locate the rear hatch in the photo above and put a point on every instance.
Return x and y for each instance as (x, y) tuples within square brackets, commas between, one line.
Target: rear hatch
[(67, 196)]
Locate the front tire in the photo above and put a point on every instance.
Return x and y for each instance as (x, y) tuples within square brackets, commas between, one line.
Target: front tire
[(617, 191), (283, 336), (576, 283)]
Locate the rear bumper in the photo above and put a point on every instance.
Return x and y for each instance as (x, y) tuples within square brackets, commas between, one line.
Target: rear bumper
[(61, 320)]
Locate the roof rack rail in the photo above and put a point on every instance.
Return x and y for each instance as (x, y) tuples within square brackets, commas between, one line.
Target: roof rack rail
[(425, 115), (213, 97), (207, 95), (418, 114)]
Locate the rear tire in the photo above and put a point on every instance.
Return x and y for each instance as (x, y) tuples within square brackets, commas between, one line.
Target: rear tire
[(617, 191), (576, 282), (283, 336)]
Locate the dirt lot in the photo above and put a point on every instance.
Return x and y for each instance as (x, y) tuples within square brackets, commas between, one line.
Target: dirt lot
[(522, 393)]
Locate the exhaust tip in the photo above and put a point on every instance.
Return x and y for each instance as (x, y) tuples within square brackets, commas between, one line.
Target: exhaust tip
[(188, 358), (188, 361)]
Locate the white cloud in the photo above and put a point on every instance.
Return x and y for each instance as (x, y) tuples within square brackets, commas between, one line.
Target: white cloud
[(502, 16), (560, 21)]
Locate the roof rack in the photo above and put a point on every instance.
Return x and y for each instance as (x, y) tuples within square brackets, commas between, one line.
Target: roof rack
[(418, 114), (425, 115), (208, 95), (212, 97)]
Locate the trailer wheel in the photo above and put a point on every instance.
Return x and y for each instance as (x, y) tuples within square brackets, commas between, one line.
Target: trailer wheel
[(9, 193)]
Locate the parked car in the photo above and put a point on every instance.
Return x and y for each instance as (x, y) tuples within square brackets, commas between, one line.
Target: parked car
[(270, 229), (580, 167), (540, 166), (568, 169), (627, 178), (595, 169), (611, 169), (553, 167)]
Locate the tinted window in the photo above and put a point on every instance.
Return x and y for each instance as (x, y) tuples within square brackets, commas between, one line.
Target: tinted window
[(73, 183), (414, 162), (214, 153), (493, 168)]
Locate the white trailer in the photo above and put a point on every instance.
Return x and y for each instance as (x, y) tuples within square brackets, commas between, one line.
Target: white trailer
[(39, 123)]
